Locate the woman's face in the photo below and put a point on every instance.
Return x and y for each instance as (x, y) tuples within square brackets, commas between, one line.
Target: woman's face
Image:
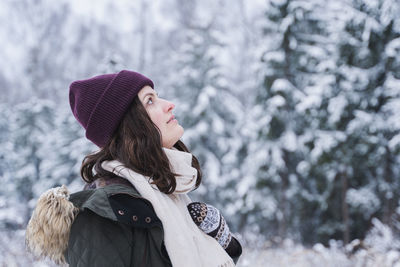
[(160, 112)]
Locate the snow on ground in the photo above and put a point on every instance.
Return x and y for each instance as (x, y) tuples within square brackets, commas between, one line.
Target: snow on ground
[(317, 256), (380, 248)]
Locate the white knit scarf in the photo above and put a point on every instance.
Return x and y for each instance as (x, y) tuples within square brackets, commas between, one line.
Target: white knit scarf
[(186, 244)]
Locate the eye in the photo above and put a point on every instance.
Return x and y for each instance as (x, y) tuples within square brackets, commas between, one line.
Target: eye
[(149, 101)]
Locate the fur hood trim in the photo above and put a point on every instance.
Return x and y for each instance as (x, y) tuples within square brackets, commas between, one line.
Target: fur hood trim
[(48, 229)]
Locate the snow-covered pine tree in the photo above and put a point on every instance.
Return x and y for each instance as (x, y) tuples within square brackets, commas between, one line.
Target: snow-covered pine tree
[(206, 108), (297, 51), (9, 218), (30, 124), (62, 154), (366, 181)]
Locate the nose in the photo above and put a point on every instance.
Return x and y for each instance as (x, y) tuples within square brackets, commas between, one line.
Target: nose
[(168, 106)]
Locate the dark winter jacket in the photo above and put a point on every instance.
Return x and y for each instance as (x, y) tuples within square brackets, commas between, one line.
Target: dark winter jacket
[(112, 225)]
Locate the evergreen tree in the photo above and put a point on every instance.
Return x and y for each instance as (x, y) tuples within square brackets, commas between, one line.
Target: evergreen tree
[(62, 154), (297, 59), (358, 110), (9, 218), (207, 109), (30, 125)]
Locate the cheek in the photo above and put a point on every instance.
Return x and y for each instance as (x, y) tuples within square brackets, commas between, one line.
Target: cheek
[(157, 119)]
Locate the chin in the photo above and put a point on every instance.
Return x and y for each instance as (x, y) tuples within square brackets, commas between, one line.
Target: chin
[(182, 131), (175, 137)]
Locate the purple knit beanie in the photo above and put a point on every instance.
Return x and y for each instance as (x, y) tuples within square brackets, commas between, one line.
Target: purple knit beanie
[(99, 103)]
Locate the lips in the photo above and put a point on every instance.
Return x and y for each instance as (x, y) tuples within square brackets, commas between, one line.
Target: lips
[(172, 117)]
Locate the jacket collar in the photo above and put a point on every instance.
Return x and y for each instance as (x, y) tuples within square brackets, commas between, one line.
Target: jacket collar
[(97, 200)]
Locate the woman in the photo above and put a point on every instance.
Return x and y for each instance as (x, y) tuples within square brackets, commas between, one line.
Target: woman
[(134, 209)]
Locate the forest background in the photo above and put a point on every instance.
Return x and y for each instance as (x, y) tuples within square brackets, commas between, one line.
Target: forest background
[(291, 106)]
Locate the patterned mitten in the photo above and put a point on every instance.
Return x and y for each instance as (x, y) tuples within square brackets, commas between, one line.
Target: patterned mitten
[(210, 221)]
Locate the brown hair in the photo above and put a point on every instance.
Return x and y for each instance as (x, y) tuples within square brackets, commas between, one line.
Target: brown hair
[(137, 144)]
